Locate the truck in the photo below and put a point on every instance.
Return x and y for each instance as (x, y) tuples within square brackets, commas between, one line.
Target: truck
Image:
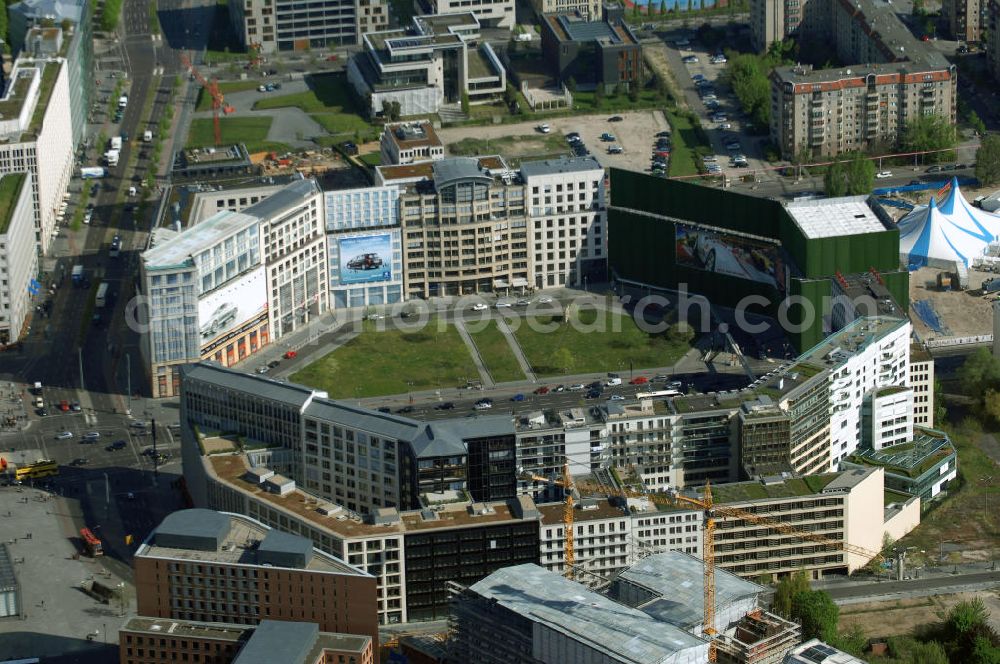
[(102, 295), (147, 136), (111, 156), (77, 274), (116, 142), (93, 172)]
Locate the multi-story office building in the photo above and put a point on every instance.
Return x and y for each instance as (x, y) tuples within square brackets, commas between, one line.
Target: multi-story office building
[(18, 255), (465, 226), (426, 66), (993, 37), (409, 142), (213, 566), (75, 43), (364, 246), (489, 13), (829, 111), (588, 9), (36, 135), (922, 383), (592, 52), (230, 285), (568, 220), (964, 19), (270, 26), (145, 640)]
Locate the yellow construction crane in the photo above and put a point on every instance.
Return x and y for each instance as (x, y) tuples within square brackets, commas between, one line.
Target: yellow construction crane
[(712, 511), (567, 483)]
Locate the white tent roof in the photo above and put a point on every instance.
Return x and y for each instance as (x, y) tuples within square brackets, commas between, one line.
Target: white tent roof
[(942, 235)]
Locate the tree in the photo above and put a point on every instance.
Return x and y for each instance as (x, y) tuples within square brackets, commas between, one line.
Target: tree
[(930, 132), (817, 613), (509, 94), (397, 110), (564, 360), (663, 7), (788, 587), (966, 616), (907, 650), (984, 652), (633, 92), (977, 123), (465, 102), (988, 160), (918, 8), (571, 84), (979, 373), (853, 177), (598, 96)]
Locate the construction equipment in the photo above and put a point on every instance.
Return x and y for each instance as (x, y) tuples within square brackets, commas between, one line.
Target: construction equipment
[(712, 511), (212, 89), (568, 506)]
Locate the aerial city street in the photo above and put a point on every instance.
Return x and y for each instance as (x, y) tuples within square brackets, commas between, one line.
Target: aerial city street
[(505, 332)]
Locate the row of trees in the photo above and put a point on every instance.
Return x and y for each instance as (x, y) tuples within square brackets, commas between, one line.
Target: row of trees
[(852, 177), (964, 636)]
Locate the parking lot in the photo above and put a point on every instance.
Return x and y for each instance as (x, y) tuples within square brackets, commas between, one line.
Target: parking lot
[(733, 127), (635, 133)]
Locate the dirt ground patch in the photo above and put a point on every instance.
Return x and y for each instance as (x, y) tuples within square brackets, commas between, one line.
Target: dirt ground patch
[(655, 54), (961, 313), (635, 133), (897, 617)]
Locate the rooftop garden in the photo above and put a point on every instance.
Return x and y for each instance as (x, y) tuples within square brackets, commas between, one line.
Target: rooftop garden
[(10, 187), (789, 488)]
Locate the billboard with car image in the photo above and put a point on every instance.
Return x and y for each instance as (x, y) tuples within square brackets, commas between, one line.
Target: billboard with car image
[(365, 258), (724, 253), (236, 302)]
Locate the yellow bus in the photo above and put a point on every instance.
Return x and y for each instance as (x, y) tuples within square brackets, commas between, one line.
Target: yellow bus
[(41, 468)]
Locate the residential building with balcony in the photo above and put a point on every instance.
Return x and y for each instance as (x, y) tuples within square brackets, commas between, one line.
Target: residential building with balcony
[(964, 19), (270, 26), (865, 106), (427, 66)]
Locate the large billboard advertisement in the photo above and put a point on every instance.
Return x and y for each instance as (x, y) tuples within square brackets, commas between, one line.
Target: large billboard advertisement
[(365, 258), (718, 251), (238, 301)]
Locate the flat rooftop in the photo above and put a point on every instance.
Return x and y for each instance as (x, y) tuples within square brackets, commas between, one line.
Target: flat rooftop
[(586, 510), (425, 170), (178, 251), (214, 155), (408, 135), (927, 449), (551, 600), (185, 628), (834, 217), (240, 548), (10, 190), (562, 165), (743, 492)]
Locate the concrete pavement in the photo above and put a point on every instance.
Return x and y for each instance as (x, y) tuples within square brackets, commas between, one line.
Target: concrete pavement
[(484, 375)]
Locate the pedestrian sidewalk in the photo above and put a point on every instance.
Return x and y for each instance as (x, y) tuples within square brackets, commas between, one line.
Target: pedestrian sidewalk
[(515, 347), (484, 375)]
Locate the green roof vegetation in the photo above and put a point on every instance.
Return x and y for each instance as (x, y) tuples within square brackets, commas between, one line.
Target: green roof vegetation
[(894, 462), (892, 389), (806, 369), (10, 190), (49, 75), (790, 488), (893, 496), (11, 107)]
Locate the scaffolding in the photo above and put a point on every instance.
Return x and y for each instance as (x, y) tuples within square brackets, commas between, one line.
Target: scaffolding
[(758, 638)]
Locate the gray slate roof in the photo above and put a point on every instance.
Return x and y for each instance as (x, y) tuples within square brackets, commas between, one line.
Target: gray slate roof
[(279, 641), (291, 394), (562, 165), (457, 168), (623, 633), (287, 197)]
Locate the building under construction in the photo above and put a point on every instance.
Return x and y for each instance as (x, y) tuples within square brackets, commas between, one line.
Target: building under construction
[(650, 613)]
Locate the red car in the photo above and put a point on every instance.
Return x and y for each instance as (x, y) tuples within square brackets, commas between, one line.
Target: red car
[(925, 38), (64, 406), (290, 355), (542, 390), (638, 380), (331, 58)]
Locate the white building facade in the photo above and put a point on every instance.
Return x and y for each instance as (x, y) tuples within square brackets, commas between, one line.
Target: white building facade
[(922, 384), (18, 259), (568, 212), (364, 246), (490, 13)]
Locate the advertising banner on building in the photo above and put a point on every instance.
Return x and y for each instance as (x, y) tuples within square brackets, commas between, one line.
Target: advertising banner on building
[(236, 302), (717, 251), (365, 258)]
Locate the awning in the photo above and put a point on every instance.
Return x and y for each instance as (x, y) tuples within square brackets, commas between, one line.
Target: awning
[(500, 283), (520, 282)]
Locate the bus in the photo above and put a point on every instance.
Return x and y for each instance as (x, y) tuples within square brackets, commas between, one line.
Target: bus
[(658, 394), (41, 468), (91, 543), (102, 295)]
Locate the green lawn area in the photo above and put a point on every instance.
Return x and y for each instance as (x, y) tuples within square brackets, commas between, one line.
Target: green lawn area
[(595, 341), (372, 159), (327, 93), (496, 353), (376, 363), (226, 88), (252, 131), (687, 145), (583, 102), (341, 124)]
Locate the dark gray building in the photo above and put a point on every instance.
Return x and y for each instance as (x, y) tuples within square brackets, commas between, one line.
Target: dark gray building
[(592, 53)]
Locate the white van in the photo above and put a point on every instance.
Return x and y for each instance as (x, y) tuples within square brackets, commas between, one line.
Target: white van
[(131, 191), (613, 382)]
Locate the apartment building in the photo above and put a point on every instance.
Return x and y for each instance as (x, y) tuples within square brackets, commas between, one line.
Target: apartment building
[(145, 640), (364, 246), (465, 226), (490, 13), (36, 136), (228, 286), (426, 66), (409, 142), (922, 383), (270, 26), (864, 106), (568, 213), (210, 566), (964, 19), (841, 507), (18, 255)]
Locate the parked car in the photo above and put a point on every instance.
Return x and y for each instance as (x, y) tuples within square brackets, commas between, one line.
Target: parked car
[(577, 387), (290, 355), (542, 390), (617, 397), (663, 134), (447, 405), (559, 388), (91, 435), (544, 128), (479, 306), (115, 446), (638, 380), (64, 435), (405, 410), (608, 137), (503, 305), (545, 299), (517, 397), (882, 175), (79, 461), (615, 118)]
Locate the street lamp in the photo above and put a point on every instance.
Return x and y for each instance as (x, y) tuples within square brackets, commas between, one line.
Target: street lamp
[(986, 495)]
